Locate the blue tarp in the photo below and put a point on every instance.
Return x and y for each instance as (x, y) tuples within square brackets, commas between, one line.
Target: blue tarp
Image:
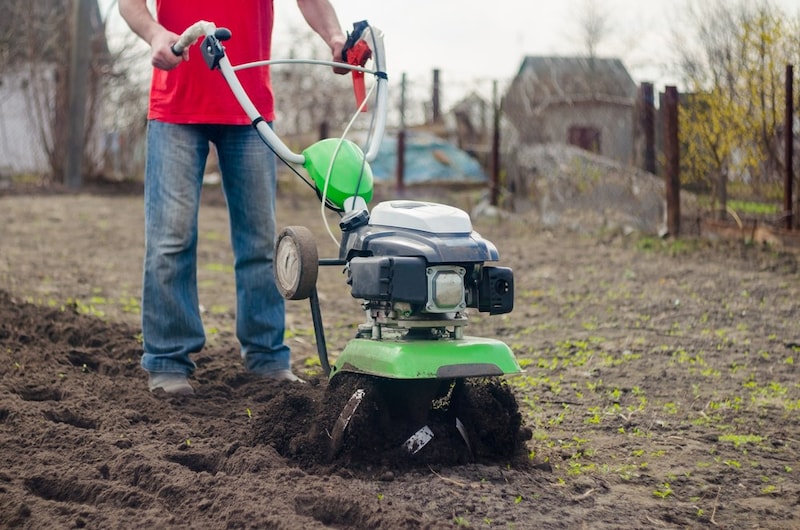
[(428, 158)]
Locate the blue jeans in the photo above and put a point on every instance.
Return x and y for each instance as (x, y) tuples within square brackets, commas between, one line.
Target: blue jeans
[(171, 323)]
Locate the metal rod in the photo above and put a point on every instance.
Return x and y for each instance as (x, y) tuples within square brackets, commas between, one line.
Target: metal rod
[(332, 261), (319, 332)]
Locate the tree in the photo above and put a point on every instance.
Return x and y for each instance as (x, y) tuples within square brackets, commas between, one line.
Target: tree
[(35, 46), (594, 26), (730, 125)]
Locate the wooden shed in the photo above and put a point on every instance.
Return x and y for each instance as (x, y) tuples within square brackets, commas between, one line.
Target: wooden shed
[(583, 101)]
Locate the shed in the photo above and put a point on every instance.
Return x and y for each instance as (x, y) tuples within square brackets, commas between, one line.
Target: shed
[(588, 102)]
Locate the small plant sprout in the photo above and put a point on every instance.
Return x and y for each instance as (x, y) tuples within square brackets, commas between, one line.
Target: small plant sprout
[(664, 491), (740, 439), (671, 407), (461, 521), (249, 413), (312, 362)]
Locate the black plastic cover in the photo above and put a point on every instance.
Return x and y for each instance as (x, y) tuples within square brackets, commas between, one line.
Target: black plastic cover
[(212, 50), (496, 291), (388, 278)]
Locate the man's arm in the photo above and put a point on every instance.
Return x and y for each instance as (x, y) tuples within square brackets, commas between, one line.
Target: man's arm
[(141, 21), (321, 17)]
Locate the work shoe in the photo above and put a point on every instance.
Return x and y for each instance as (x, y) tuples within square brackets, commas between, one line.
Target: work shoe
[(282, 375), (171, 383)]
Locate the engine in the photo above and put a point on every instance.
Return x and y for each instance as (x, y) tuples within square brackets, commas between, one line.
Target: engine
[(419, 265)]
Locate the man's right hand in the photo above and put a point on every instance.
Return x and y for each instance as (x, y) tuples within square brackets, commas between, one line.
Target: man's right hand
[(141, 21), (162, 55)]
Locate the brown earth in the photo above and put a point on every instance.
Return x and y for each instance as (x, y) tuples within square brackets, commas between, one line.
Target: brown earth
[(661, 388)]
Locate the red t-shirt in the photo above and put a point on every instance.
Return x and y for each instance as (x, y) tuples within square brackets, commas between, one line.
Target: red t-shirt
[(191, 92)]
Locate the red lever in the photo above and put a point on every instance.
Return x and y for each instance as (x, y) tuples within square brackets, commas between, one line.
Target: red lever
[(358, 55)]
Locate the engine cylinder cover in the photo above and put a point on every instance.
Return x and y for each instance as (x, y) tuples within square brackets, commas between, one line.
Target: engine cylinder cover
[(420, 215), (438, 233)]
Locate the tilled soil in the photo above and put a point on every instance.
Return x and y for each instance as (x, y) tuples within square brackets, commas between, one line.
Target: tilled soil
[(660, 390)]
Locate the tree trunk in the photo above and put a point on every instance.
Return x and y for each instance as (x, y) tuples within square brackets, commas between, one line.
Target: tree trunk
[(722, 195)]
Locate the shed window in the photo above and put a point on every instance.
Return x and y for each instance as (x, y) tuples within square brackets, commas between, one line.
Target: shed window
[(585, 137)]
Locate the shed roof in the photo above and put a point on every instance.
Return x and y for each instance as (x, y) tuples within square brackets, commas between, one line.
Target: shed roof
[(574, 79)]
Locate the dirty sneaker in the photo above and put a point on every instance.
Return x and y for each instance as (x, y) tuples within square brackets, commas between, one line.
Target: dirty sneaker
[(171, 383), (282, 375)]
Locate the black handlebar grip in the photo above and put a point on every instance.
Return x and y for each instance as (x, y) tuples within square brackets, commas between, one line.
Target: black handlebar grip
[(222, 33)]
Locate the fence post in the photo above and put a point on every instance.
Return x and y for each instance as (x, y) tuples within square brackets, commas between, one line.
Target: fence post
[(495, 184), (437, 113), (648, 124), (672, 157), (401, 160), (401, 138), (788, 138)]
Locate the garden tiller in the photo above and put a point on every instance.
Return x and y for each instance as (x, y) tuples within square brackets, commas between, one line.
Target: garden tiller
[(417, 267)]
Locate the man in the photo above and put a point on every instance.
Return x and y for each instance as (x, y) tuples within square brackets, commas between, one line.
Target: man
[(191, 106)]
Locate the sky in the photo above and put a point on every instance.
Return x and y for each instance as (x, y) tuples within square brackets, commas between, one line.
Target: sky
[(479, 40), (475, 43)]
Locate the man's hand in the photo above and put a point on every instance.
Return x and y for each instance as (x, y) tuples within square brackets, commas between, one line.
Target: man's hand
[(322, 18), (337, 45), (141, 21), (161, 54)]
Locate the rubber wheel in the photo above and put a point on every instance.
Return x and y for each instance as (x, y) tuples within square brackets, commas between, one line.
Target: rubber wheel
[(296, 263)]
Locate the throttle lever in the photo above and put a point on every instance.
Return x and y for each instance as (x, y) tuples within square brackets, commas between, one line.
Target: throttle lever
[(356, 52)]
